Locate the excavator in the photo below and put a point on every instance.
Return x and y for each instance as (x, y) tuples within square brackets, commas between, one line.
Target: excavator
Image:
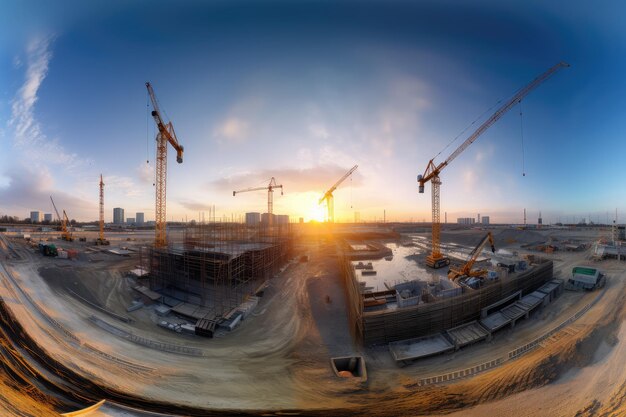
[(466, 269)]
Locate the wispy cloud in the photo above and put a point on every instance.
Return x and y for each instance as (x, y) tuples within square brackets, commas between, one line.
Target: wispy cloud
[(27, 131), (316, 178)]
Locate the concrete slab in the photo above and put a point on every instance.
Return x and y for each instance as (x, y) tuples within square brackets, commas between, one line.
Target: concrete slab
[(531, 301), (421, 347), (495, 321), (467, 334), (515, 311)]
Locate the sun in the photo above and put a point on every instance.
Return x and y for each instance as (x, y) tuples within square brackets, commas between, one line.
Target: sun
[(317, 213)]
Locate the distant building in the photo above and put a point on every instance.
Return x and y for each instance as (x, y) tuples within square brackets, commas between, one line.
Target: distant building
[(118, 215), (139, 219), (253, 219), (485, 220), (130, 220), (281, 219), (47, 217), (466, 220), (621, 232), (35, 216), (265, 218), (301, 220)]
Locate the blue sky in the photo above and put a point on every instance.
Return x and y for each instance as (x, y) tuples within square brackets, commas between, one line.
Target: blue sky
[(303, 91)]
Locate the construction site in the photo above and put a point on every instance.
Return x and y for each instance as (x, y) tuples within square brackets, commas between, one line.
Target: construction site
[(269, 317)]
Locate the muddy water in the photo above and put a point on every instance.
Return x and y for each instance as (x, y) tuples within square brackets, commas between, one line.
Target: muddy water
[(402, 268)]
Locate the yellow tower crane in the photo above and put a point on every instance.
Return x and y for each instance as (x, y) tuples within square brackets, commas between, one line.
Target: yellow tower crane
[(166, 134), (328, 195), (270, 196), (436, 259)]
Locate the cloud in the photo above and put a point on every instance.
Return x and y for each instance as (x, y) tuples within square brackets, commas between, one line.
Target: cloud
[(232, 129), (317, 178), (195, 206), (146, 173), (30, 190), (122, 184), (28, 134)]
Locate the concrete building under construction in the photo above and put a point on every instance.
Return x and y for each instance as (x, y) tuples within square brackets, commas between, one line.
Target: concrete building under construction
[(216, 266)]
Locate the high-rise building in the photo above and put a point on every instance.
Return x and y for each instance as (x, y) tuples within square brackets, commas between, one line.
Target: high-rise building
[(281, 219), (266, 216), (47, 217), (35, 216), (118, 215), (466, 220), (139, 219), (485, 220), (252, 219)]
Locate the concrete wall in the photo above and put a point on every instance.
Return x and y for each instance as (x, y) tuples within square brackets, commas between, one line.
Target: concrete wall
[(386, 326)]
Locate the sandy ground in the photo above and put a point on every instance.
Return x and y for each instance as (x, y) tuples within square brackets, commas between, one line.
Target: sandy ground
[(279, 358)]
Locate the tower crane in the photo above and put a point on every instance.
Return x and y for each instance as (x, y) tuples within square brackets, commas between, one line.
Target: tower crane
[(65, 233), (328, 195), (432, 172), (270, 196), (101, 240), (166, 134), (466, 269)]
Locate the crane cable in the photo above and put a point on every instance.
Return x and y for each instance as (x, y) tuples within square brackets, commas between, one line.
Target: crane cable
[(521, 128), (351, 206), (147, 127), (467, 127)]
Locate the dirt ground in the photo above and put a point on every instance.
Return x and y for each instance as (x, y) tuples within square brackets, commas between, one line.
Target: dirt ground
[(280, 357)]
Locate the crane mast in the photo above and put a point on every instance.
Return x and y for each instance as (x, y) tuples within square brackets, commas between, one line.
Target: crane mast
[(328, 195), (166, 135), (270, 196), (436, 259), (101, 240)]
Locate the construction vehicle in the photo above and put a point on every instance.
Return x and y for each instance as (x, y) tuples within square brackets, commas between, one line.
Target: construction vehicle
[(436, 259), (466, 269), (166, 135), (328, 195), (270, 197), (65, 233), (101, 240)]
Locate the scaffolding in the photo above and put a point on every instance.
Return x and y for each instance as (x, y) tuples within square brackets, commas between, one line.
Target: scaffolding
[(217, 266)]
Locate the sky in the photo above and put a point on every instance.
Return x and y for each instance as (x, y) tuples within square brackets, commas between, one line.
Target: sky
[(302, 91)]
